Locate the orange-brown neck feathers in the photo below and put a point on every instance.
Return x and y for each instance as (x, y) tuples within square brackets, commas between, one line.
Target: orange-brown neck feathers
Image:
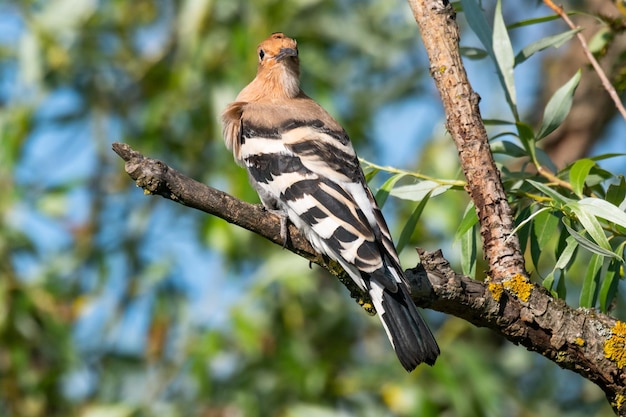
[(278, 72)]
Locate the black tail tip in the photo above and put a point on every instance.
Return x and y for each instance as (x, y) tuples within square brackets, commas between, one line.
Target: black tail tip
[(409, 334), (426, 353)]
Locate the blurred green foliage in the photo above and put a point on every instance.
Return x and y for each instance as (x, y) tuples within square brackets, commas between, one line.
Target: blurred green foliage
[(101, 312)]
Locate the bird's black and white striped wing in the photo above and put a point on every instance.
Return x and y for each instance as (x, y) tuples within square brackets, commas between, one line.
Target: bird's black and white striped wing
[(313, 174)]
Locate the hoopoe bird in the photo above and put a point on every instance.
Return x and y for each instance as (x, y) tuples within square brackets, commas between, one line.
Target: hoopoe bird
[(302, 164)]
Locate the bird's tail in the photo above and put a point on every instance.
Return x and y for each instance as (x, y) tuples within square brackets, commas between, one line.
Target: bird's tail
[(408, 333)]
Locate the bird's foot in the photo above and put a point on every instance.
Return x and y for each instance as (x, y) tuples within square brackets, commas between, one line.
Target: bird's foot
[(284, 224)]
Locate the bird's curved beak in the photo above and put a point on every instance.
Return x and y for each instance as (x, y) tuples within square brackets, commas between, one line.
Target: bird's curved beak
[(286, 52)]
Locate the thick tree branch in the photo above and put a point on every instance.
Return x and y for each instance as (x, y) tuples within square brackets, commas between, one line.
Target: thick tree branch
[(440, 33), (580, 340), (157, 178)]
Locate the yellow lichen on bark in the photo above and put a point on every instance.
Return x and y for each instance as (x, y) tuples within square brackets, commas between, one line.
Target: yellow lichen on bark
[(615, 346), (496, 290), (619, 401), (519, 286)]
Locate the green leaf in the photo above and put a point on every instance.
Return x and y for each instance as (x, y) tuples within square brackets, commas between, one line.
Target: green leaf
[(385, 189), (567, 253), (544, 227), (548, 282), (529, 218), (523, 233), (578, 174), (558, 107), (603, 209), (469, 252), (505, 60), (473, 53), (601, 39), (561, 290), (544, 160), (606, 156), (559, 198), (470, 218), (419, 190), (590, 224), (562, 242), (535, 252), (369, 170), (478, 23), (616, 193), (497, 44), (533, 21), (527, 137), (508, 148), (588, 294), (410, 225), (544, 43), (588, 244), (497, 122), (563, 261), (370, 174), (608, 289)]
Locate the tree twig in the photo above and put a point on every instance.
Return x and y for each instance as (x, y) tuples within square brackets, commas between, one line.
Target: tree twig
[(596, 66), (522, 312)]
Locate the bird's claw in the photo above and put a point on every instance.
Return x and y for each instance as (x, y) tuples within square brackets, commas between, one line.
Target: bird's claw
[(284, 225)]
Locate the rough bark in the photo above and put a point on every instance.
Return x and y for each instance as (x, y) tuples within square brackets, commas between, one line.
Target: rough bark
[(440, 33), (583, 341)]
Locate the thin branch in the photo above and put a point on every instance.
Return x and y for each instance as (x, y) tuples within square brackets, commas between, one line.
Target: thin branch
[(521, 312), (393, 170), (596, 66), (547, 174)]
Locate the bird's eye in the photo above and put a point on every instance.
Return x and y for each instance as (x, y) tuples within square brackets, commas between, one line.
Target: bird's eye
[(261, 54)]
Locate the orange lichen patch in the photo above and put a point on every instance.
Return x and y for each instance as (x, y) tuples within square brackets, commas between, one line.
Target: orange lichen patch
[(496, 290), (579, 341), (519, 286), (615, 346)]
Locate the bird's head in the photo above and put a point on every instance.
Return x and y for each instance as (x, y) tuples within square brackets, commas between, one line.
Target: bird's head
[(278, 49), (279, 65)]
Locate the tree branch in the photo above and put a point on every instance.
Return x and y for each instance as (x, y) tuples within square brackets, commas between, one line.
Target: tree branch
[(440, 33), (592, 60), (591, 109), (583, 341)]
